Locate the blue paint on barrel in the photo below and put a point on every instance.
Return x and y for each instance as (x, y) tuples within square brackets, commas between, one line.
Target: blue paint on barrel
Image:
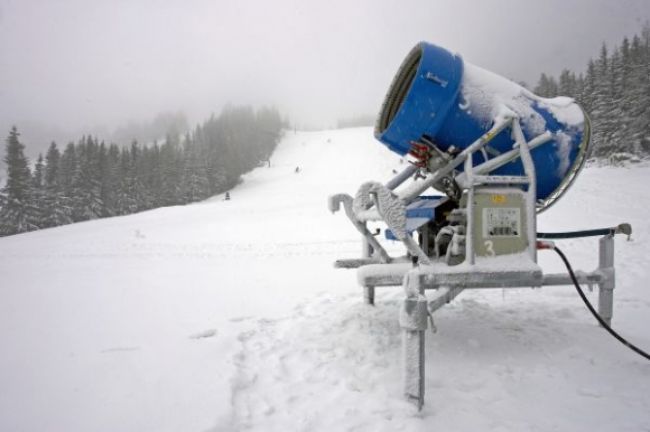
[(437, 96)]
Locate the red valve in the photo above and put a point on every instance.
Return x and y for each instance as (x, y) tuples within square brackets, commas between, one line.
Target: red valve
[(545, 244), (420, 152)]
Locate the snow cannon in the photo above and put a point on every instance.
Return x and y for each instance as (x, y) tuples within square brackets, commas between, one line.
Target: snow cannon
[(438, 103), (485, 157)]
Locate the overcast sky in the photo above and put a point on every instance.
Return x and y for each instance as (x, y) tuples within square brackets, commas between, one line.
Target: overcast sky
[(76, 64)]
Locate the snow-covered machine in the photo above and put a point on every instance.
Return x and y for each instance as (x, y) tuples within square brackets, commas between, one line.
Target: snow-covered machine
[(497, 155)]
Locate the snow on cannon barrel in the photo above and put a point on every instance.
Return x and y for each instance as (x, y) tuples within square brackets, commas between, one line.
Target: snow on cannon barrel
[(438, 100)]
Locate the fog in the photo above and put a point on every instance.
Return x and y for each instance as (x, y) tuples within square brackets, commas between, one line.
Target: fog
[(70, 66)]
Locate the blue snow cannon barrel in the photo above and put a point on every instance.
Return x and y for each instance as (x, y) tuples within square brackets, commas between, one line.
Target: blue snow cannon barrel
[(437, 96)]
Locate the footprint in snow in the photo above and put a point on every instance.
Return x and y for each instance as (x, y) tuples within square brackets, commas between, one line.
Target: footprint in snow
[(204, 334)]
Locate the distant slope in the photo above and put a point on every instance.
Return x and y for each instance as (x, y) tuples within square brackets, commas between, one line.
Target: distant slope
[(228, 315)]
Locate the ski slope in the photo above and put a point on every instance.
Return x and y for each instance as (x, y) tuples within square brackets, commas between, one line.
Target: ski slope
[(228, 315)]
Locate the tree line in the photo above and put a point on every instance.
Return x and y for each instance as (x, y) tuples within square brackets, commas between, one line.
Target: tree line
[(90, 179), (615, 92)]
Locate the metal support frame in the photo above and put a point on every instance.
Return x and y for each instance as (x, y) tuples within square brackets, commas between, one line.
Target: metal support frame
[(469, 235), (378, 269), (416, 189), (531, 193), (448, 284)]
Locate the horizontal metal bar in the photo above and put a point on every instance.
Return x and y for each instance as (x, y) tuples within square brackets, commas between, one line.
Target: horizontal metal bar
[(402, 177), (467, 280), (505, 158), (355, 262), (499, 179), (565, 279), (393, 275)]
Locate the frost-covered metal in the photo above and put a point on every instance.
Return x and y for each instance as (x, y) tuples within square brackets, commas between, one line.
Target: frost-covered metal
[(496, 155)]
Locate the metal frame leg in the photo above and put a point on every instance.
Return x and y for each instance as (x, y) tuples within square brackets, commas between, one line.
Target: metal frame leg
[(413, 320), (368, 291), (369, 295), (606, 286)]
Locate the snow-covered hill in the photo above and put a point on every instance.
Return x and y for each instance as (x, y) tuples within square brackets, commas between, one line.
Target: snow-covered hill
[(228, 315)]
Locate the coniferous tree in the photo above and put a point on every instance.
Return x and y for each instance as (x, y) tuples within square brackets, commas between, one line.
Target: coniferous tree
[(589, 88), (125, 200), (170, 171), (18, 213), (195, 184), (86, 183), (56, 210), (567, 83), (615, 92), (67, 170), (110, 168), (547, 86), (38, 192), (640, 123)]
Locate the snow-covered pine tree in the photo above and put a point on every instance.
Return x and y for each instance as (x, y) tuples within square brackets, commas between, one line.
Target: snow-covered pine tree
[(602, 120), (138, 190), (57, 210), (131, 193), (567, 83), (170, 171), (103, 170), (547, 86), (38, 191), (195, 184), (144, 170), (151, 174), (67, 170), (615, 92), (587, 98), (18, 213), (86, 184), (640, 122), (110, 169), (269, 127), (125, 202)]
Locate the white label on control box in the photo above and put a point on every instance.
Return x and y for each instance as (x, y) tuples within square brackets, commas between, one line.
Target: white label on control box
[(501, 222)]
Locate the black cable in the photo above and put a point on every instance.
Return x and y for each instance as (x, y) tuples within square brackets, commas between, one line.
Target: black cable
[(593, 311), (576, 234), (624, 228)]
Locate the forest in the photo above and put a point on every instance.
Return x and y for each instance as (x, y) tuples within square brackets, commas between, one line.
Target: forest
[(615, 91), (91, 179)]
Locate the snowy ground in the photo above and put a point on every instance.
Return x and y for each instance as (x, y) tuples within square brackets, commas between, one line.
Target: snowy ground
[(228, 315)]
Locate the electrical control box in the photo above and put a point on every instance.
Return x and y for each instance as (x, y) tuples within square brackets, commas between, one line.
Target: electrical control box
[(499, 221)]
